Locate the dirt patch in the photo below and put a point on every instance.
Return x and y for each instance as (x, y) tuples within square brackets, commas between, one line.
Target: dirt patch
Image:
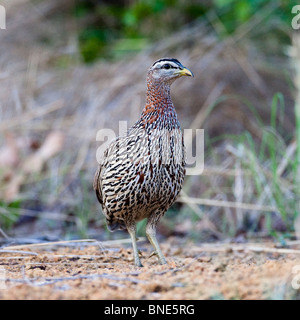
[(218, 271)]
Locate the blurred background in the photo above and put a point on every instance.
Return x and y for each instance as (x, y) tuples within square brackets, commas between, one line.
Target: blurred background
[(70, 68)]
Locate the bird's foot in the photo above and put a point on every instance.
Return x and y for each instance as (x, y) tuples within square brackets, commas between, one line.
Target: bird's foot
[(153, 253), (162, 259), (138, 263)]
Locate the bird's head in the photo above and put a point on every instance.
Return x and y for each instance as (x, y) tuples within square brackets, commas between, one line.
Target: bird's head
[(167, 70)]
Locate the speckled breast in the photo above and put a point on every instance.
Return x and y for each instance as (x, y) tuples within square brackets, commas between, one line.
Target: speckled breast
[(143, 172)]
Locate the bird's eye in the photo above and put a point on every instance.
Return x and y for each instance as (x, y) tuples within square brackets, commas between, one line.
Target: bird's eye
[(167, 66)]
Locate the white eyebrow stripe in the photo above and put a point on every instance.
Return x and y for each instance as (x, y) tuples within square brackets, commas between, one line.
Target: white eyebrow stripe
[(161, 63)]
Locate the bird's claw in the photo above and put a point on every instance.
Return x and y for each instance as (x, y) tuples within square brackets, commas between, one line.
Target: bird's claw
[(153, 253), (140, 253), (162, 260), (138, 264)]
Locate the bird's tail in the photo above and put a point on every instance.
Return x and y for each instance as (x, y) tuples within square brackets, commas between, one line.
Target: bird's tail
[(113, 225)]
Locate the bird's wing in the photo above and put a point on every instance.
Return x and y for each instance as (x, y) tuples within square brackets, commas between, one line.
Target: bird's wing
[(116, 162), (98, 175), (97, 185)]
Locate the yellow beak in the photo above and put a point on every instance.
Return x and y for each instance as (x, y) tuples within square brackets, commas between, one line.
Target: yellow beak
[(186, 72)]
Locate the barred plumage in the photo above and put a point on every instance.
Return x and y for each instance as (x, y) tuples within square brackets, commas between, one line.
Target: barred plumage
[(142, 172)]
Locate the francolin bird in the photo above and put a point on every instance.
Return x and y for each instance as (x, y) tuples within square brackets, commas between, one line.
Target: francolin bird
[(142, 172)]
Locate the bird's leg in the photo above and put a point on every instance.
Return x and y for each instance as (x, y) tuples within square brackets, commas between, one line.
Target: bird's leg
[(132, 231), (151, 235)]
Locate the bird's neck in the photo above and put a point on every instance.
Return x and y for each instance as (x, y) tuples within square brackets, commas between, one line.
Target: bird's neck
[(158, 102), (158, 93)]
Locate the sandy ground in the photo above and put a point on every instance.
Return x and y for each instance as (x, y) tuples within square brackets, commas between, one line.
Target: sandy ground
[(206, 271)]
